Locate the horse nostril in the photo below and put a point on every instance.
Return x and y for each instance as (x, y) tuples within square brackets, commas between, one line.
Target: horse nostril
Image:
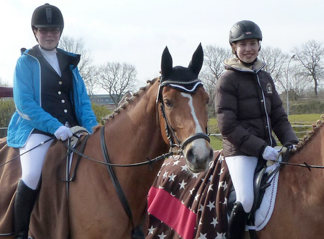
[(190, 155)]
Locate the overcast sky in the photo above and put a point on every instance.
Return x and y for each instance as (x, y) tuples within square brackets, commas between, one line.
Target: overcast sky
[(137, 31)]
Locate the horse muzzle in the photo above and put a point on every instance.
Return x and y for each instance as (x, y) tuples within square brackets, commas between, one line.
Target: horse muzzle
[(198, 152)]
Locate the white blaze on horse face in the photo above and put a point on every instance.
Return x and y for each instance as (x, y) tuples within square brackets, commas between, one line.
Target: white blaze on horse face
[(193, 113), (198, 143)]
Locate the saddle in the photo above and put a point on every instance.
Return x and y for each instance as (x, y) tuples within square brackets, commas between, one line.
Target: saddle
[(262, 180)]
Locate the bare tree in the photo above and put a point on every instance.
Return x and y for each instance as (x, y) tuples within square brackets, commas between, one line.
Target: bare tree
[(297, 83), (310, 56), (276, 63), (213, 62), (87, 71), (2, 83), (214, 58), (89, 75), (117, 79)]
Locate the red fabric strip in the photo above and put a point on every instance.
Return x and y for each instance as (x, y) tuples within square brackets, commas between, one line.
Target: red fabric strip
[(172, 212)]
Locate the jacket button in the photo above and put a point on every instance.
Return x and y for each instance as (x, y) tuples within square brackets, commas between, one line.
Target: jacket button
[(65, 111), (261, 101), (59, 92), (63, 101), (60, 82)]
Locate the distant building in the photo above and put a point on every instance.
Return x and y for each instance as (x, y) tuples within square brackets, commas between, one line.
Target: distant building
[(104, 100), (6, 92), (107, 101)]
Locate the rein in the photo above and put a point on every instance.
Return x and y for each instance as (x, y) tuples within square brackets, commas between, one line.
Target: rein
[(305, 165), (136, 232), (149, 161)]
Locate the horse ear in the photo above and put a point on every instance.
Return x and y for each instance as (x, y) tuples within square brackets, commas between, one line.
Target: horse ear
[(197, 60), (166, 62)]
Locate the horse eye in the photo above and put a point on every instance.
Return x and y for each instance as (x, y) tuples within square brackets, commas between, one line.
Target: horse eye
[(168, 103)]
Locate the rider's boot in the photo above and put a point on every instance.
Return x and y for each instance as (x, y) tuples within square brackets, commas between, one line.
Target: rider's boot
[(24, 204), (236, 223)]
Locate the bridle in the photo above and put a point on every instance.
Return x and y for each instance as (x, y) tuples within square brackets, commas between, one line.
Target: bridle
[(168, 129)]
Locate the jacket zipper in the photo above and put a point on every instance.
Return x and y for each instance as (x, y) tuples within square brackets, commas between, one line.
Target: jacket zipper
[(265, 109)]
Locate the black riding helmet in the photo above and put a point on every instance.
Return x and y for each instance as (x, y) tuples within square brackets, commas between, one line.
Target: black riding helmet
[(244, 30), (47, 16)]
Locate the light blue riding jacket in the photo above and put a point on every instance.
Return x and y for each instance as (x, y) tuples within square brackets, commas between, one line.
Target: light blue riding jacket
[(27, 96)]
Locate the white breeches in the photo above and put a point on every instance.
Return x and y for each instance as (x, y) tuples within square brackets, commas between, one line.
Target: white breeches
[(32, 161), (242, 170)]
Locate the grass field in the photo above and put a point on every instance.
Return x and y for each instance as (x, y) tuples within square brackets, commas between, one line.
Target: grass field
[(296, 120)]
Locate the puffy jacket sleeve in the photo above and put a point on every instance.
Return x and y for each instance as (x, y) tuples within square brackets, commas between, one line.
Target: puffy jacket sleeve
[(25, 91), (226, 104), (83, 108), (279, 121)]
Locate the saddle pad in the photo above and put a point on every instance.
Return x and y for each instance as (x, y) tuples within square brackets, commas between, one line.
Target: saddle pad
[(263, 214)]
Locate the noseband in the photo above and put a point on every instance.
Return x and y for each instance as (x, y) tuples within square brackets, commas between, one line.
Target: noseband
[(168, 129)]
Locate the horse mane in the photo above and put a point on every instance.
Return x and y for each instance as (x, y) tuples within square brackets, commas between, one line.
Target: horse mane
[(125, 101), (129, 100), (316, 127)]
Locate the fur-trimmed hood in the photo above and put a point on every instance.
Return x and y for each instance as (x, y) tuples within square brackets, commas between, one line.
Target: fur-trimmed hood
[(236, 64)]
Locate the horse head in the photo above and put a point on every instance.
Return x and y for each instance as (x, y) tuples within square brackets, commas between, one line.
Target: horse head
[(182, 93)]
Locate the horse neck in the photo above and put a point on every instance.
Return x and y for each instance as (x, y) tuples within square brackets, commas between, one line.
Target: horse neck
[(300, 180), (300, 193), (135, 127), (311, 149), (134, 136)]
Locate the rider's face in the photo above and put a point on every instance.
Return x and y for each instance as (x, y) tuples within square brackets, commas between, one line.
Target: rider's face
[(247, 50), (48, 37)]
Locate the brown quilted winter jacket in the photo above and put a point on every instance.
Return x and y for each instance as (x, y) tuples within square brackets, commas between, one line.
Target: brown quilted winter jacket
[(248, 109)]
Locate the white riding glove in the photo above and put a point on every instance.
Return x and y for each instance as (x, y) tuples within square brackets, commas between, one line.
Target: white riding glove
[(270, 153), (62, 133)]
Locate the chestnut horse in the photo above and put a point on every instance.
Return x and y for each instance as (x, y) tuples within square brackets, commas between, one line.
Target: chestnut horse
[(299, 208), (170, 112), (298, 211)]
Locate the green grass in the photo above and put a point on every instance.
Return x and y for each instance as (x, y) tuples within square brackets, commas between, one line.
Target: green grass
[(306, 119), (216, 143)]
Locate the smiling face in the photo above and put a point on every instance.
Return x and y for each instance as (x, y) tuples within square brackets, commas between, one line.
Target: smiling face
[(48, 38), (247, 50)]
